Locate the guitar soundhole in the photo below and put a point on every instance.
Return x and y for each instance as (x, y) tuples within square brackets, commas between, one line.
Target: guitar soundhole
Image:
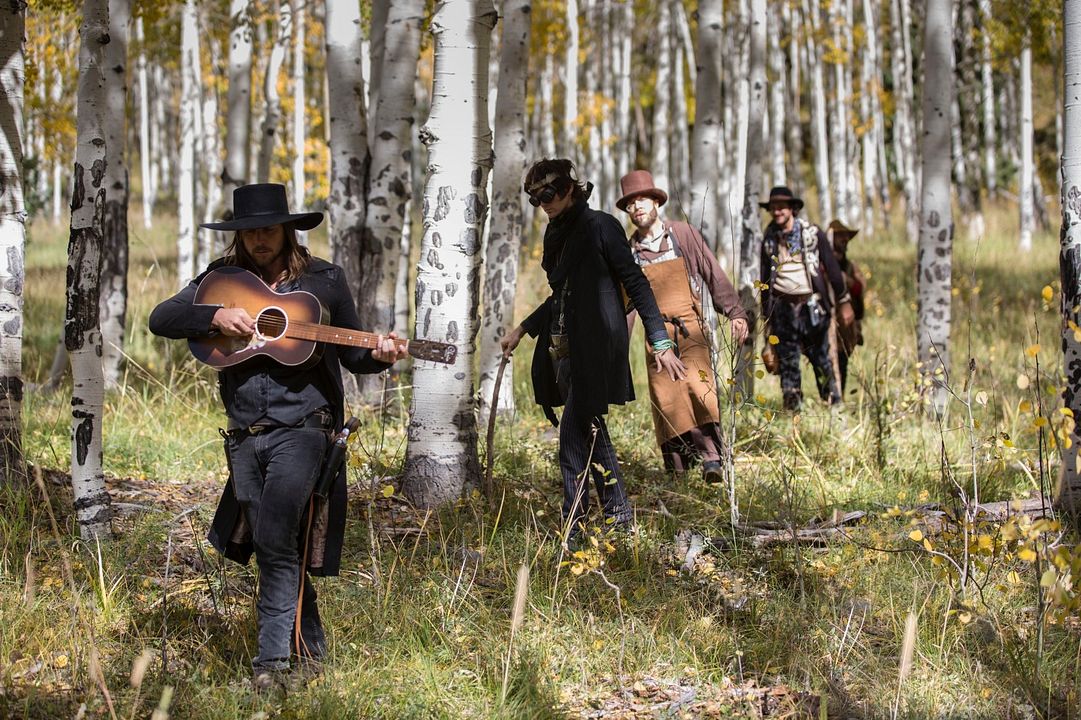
[(271, 323)]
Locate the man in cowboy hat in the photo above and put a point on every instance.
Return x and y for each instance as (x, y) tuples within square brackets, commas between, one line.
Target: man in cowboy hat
[(798, 272), (279, 417), (688, 283), (580, 360), (840, 235)]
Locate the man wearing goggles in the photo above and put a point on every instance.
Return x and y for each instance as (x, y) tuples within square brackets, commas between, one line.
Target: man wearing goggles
[(580, 361)]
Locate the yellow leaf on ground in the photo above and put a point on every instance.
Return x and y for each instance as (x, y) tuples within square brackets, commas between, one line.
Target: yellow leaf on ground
[(1032, 350), (1028, 555), (388, 490), (1048, 293), (915, 536), (1048, 578)]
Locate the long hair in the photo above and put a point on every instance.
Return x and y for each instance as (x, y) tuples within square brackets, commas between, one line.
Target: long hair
[(563, 175), (297, 256)]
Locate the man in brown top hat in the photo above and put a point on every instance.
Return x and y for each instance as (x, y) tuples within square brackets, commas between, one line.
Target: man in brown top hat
[(840, 235), (688, 283), (799, 271)]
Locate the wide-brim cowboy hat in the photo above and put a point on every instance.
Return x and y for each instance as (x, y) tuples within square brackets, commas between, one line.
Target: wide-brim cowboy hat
[(782, 193), (637, 183), (262, 205), (836, 226)]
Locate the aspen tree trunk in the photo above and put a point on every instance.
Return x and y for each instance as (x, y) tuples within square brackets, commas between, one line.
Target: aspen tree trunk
[(591, 168), (819, 129), (606, 89), (743, 88), (1068, 494), (273, 108), (377, 32), (793, 126), (12, 241), (160, 164), (707, 124), (680, 136), (1027, 209), (441, 457), (349, 157), (936, 219), (838, 121), (390, 185), (211, 242), (751, 239), (624, 20), (777, 110), (569, 140), (38, 132), (202, 255), (299, 103), (82, 335), (869, 95), (903, 131), (988, 87), (114, 257), (56, 94), (659, 156), (508, 219), (683, 33), (185, 205), (144, 128), (545, 117), (238, 102)]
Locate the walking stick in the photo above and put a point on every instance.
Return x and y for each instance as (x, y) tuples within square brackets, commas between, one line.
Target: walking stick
[(488, 490)]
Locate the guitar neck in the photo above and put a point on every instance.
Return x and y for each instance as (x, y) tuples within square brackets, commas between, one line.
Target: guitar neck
[(338, 336)]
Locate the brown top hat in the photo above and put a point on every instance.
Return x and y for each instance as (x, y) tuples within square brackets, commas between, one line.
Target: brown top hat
[(261, 205), (782, 193), (836, 226), (639, 182)]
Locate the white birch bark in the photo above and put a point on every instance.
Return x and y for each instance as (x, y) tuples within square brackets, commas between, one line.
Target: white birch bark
[(777, 110), (377, 49), (114, 259), (144, 128), (82, 335), (272, 109), (1027, 208), (569, 139), (707, 134), (299, 106), (838, 119), (743, 88), (238, 102), (683, 32), (211, 243), (936, 219), (680, 140), (56, 93), (160, 164), (390, 185), (508, 218), (624, 21), (751, 237), (12, 240), (546, 116), (793, 123), (659, 155), (903, 120), (185, 210), (441, 456), (347, 118), (1068, 494), (988, 95), (868, 99), (819, 123)]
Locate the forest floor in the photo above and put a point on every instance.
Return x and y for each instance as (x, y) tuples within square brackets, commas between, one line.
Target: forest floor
[(686, 617)]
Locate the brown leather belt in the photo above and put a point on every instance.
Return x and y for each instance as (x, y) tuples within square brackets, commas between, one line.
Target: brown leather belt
[(317, 419)]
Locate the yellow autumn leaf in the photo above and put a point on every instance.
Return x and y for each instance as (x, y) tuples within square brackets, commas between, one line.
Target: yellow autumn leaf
[(1066, 411), (984, 542), (915, 536), (773, 339), (1048, 293), (1048, 578), (1032, 350), (388, 490), (1039, 422), (927, 545), (1028, 555), (1013, 578), (1025, 406)]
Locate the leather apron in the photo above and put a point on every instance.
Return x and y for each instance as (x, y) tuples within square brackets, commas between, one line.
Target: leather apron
[(684, 404)]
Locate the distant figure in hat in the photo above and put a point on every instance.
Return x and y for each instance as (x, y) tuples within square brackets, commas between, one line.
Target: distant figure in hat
[(580, 361), (688, 283), (280, 419), (840, 235), (798, 271)]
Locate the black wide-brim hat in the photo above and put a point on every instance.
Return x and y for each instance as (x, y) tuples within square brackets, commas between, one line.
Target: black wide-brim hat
[(781, 193), (262, 205)]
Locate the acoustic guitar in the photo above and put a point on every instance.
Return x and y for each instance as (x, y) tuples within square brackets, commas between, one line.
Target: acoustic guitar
[(289, 327)]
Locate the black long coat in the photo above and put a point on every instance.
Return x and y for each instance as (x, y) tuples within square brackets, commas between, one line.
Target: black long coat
[(179, 318), (596, 262)]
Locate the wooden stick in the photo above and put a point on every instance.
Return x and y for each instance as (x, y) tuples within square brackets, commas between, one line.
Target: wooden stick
[(489, 491)]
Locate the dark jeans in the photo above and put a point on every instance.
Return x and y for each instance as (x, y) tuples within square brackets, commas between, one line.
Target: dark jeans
[(583, 441), (784, 323), (274, 473)]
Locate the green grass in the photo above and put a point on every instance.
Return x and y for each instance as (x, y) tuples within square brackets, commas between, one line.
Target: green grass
[(430, 638)]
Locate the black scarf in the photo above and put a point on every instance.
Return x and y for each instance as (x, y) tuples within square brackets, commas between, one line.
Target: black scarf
[(555, 260)]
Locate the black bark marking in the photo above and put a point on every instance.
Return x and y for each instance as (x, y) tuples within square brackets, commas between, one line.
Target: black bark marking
[(14, 283), (427, 322), (442, 207), (84, 432), (451, 289), (452, 331), (470, 241), (433, 259), (13, 326), (437, 239), (11, 387)]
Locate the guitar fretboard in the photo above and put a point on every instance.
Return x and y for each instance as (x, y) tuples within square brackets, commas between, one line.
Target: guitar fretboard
[(322, 333)]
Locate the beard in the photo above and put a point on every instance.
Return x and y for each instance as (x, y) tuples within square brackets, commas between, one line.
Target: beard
[(643, 222)]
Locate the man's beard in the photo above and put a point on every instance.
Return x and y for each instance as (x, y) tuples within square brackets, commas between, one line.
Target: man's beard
[(645, 222)]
